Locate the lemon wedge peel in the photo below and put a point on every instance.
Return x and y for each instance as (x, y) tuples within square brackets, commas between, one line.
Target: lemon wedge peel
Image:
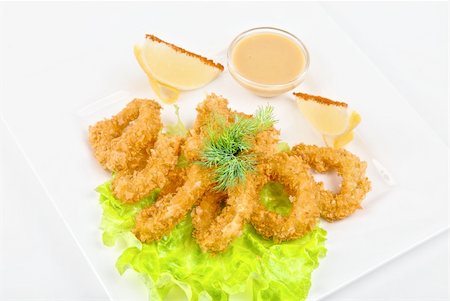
[(330, 118)]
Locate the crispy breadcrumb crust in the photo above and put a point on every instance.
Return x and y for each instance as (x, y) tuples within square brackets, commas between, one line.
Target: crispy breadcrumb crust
[(265, 143), (290, 171), (355, 184), (121, 142), (130, 187), (181, 50), (208, 111), (131, 144), (221, 227), (320, 99), (159, 219)]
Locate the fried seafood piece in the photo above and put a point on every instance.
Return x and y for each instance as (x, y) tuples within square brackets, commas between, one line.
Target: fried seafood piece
[(121, 142), (213, 108), (290, 171), (220, 217), (265, 144), (130, 187), (209, 110), (354, 187), (175, 179), (209, 207), (159, 219), (103, 132)]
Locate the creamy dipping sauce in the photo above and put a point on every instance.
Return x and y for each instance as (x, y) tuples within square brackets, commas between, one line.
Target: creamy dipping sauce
[(268, 58), (268, 61)]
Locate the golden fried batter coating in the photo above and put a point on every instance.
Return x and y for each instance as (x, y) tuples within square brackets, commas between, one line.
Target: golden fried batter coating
[(355, 185), (159, 219), (130, 187), (129, 151), (121, 142), (213, 108), (293, 174), (209, 207), (265, 144), (103, 132), (214, 229), (130, 144), (175, 179)]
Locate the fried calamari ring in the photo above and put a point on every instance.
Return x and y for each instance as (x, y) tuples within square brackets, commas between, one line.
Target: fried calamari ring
[(354, 187), (175, 179), (210, 205), (121, 142), (265, 144), (130, 187), (216, 226), (207, 113), (159, 219), (103, 132), (293, 174), (129, 151)]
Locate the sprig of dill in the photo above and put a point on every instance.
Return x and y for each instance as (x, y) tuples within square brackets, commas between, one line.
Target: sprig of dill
[(227, 148)]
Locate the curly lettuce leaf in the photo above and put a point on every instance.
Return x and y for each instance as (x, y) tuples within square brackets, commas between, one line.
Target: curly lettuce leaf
[(283, 147), (275, 198), (252, 268), (118, 218), (178, 128), (251, 264)]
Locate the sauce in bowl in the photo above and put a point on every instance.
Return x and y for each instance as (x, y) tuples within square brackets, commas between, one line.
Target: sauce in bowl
[(268, 61)]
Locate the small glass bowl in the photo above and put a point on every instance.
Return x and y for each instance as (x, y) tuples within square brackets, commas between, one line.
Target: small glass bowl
[(267, 90)]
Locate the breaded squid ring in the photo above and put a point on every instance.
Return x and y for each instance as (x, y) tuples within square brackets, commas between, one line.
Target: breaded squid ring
[(129, 151), (265, 144), (121, 142), (354, 187), (207, 113), (103, 132), (175, 179), (156, 221), (215, 227), (159, 219), (293, 174), (130, 187), (210, 205)]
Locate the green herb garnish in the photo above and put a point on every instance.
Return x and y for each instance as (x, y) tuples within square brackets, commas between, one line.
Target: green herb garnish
[(227, 149)]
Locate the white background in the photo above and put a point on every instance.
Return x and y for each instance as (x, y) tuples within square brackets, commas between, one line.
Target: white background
[(407, 41)]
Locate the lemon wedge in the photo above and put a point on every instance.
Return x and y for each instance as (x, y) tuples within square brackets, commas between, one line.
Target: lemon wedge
[(331, 118), (172, 69), (345, 138)]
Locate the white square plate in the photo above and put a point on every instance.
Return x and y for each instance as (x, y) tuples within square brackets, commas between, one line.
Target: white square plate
[(48, 115)]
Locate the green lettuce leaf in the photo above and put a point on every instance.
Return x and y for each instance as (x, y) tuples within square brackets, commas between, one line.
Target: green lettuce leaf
[(283, 147), (178, 128), (252, 268), (118, 218), (275, 198)]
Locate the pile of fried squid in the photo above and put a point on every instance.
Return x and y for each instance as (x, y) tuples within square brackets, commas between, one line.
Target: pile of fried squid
[(143, 158)]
